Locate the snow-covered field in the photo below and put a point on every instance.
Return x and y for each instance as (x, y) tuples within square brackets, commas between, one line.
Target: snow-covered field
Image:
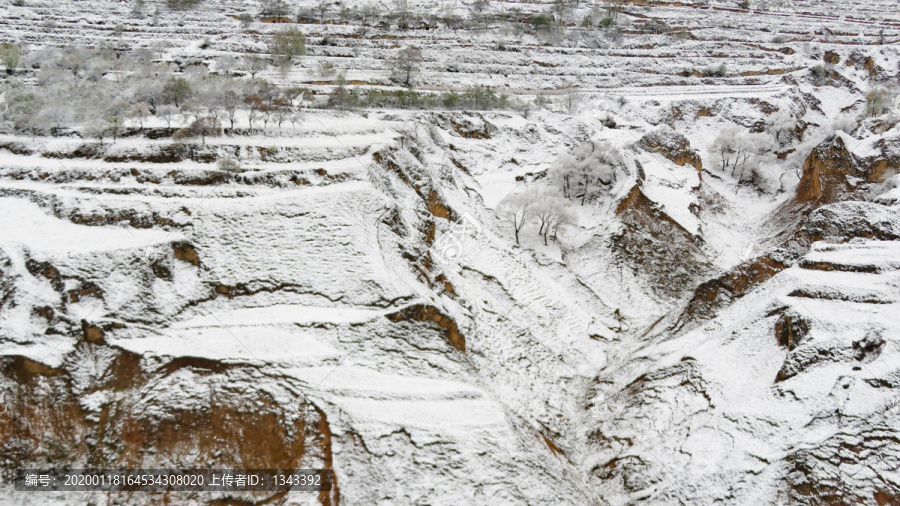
[(712, 319)]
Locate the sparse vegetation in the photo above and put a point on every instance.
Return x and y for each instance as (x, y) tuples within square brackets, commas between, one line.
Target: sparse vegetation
[(656, 26), (740, 150), (287, 45), (274, 9), (542, 205), (590, 167), (9, 57), (182, 4), (517, 209), (296, 215), (202, 127), (229, 164), (719, 70), (542, 21), (407, 65), (819, 74), (246, 19), (877, 101), (144, 90)]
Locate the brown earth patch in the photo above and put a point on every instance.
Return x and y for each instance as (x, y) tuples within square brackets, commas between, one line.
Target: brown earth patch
[(45, 425), (186, 253), (425, 313)]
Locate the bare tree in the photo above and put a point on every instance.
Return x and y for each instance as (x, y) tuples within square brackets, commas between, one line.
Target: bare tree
[(562, 173), (781, 124), (231, 101), (724, 146), (877, 102), (564, 216), (203, 127), (167, 112), (739, 150), (148, 90), (115, 115), (253, 64), (281, 110), (207, 127), (573, 101), (56, 117), (407, 64), (517, 209), (116, 122), (140, 111), (210, 97), (255, 107), (549, 208), (226, 64), (97, 128), (74, 59)]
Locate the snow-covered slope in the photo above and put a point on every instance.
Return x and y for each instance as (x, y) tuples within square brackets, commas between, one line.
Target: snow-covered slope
[(354, 299)]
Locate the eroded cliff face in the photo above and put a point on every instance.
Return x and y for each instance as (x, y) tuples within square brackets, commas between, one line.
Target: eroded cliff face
[(659, 248), (789, 348), (828, 206), (424, 313), (826, 173), (105, 407), (674, 146), (208, 316), (298, 315), (832, 173)]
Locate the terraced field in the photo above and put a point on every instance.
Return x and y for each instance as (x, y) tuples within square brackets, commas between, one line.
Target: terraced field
[(352, 295)]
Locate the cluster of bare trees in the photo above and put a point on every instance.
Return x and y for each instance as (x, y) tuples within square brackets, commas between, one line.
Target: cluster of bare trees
[(100, 90), (590, 168), (742, 151), (542, 206)]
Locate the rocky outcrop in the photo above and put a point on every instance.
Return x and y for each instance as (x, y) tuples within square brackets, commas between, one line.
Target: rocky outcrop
[(826, 172), (832, 173), (466, 126), (425, 313), (105, 407), (846, 468), (843, 221), (673, 146), (791, 329), (187, 253), (864, 62), (657, 246), (836, 223), (721, 291)]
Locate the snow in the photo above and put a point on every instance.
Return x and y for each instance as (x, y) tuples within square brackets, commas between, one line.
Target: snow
[(21, 218), (283, 313), (566, 341)]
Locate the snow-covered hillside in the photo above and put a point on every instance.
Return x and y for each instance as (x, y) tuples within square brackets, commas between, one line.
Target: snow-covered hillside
[(614, 254)]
